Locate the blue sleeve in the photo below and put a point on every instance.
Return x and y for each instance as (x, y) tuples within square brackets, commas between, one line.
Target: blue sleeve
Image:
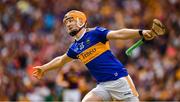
[(70, 53), (102, 33)]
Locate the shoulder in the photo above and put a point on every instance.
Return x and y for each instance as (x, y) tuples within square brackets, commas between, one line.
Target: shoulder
[(72, 45), (97, 28), (71, 51)]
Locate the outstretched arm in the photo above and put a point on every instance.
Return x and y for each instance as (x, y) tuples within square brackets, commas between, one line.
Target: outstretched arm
[(125, 34), (157, 29), (55, 63)]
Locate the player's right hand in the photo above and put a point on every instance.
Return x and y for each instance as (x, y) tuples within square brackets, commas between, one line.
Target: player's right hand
[(38, 72)]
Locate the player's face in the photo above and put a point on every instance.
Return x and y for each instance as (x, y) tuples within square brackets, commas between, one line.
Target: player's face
[(71, 26)]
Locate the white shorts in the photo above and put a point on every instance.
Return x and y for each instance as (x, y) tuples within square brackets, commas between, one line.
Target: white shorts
[(71, 95), (120, 89)]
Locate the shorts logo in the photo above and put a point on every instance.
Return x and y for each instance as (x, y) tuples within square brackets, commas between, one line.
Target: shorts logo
[(116, 74), (127, 93)]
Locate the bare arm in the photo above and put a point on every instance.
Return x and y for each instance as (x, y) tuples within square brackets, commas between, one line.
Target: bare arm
[(55, 63), (125, 34), (157, 29)]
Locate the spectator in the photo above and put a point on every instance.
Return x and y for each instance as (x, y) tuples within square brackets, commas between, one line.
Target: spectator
[(31, 33)]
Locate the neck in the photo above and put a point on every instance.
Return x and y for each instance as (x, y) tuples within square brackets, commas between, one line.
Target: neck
[(80, 33)]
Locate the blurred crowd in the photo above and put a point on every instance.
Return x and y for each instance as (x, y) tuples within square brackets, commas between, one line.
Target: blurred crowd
[(32, 33)]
